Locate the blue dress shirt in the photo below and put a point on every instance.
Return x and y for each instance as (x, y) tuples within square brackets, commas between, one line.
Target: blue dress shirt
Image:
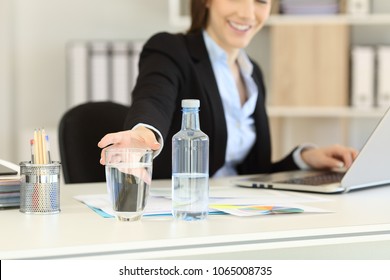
[(240, 124)]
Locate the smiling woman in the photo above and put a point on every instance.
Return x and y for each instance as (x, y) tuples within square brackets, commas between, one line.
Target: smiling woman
[(232, 24), (209, 63)]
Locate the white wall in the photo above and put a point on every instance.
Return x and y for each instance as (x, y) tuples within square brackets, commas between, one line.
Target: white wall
[(35, 37), (6, 78)]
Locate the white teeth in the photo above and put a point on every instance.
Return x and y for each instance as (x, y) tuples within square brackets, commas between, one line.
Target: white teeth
[(239, 27)]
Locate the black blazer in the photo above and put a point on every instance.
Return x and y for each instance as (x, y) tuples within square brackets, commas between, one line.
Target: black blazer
[(173, 67)]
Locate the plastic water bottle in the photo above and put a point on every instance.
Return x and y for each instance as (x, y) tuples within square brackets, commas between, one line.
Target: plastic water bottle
[(190, 166)]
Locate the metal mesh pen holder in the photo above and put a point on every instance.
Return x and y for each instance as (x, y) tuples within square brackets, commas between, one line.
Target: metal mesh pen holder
[(40, 188)]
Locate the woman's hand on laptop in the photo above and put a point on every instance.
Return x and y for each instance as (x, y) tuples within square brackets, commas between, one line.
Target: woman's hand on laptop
[(330, 157)]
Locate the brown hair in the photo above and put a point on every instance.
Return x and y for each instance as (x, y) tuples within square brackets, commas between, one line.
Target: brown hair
[(199, 15)]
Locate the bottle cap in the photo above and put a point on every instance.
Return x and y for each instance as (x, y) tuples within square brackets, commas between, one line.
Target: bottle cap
[(190, 103)]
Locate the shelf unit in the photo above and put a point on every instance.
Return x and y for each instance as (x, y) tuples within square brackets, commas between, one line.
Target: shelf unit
[(370, 19), (179, 16), (324, 112), (291, 126)]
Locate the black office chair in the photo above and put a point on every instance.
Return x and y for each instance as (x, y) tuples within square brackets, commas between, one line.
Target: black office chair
[(80, 129)]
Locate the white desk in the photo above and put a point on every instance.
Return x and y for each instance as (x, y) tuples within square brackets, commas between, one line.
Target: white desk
[(359, 228)]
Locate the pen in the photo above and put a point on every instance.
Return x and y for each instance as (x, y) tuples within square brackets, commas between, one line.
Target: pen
[(48, 148), (40, 147), (32, 151), (44, 149), (36, 151)]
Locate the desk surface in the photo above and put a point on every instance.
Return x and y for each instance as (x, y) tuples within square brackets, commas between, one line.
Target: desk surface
[(357, 228)]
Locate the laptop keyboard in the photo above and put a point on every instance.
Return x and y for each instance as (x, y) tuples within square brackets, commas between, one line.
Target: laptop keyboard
[(317, 180)]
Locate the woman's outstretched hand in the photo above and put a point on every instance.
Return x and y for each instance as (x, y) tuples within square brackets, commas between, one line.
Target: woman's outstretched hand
[(139, 137)]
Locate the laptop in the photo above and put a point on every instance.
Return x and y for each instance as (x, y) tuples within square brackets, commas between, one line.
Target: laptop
[(370, 168), (4, 170)]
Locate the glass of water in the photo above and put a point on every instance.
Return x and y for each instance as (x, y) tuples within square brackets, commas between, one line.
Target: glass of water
[(128, 176)]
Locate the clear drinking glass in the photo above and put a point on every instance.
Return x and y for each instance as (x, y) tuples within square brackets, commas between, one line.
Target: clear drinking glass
[(128, 176)]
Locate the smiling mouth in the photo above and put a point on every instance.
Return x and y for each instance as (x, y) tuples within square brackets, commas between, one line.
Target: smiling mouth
[(239, 27)]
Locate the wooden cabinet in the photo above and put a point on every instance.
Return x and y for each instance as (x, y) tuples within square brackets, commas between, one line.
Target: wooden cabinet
[(309, 64)]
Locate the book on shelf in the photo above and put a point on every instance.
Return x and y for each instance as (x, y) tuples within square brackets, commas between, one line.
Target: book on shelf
[(102, 70), (120, 73), (309, 7), (99, 71), (383, 81), (358, 7), (78, 68), (362, 77)]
